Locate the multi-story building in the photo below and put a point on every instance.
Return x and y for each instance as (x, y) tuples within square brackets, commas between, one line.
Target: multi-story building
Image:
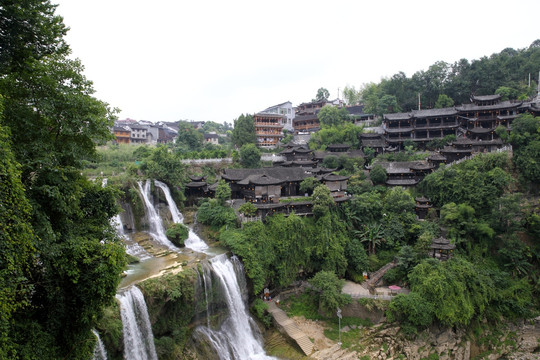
[(268, 129), (138, 133), (286, 109), (476, 121), (122, 134)]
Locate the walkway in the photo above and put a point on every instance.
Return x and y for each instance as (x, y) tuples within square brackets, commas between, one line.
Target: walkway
[(289, 327)]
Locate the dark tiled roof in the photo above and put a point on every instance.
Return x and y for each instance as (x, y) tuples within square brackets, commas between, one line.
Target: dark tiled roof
[(338, 146), (333, 177), (196, 184), (305, 117), (480, 130), (356, 110), (262, 180), (397, 167), (397, 116), (437, 157), (485, 97), (369, 135), (211, 136), (501, 105), (449, 149), (196, 178), (434, 112), (442, 243), (421, 199), (282, 173), (422, 166), (401, 182), (399, 130), (374, 143), (462, 141)]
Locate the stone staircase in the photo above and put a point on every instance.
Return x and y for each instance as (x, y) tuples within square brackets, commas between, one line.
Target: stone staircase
[(289, 327)]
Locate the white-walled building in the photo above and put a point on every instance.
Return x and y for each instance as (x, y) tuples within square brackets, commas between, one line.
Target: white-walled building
[(286, 109)]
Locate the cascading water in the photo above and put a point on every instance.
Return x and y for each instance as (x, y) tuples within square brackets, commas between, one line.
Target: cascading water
[(99, 349), (237, 338), (137, 331), (193, 241), (132, 247), (156, 225)]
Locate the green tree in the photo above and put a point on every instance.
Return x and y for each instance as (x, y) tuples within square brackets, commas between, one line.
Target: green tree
[(506, 93), (352, 97), (250, 156), (444, 101), (322, 201), (330, 116), (309, 184), (223, 192), (55, 124), (525, 139), (17, 250), (248, 209), (329, 286), (387, 104), (378, 174), (322, 95), (188, 139), (244, 131), (372, 234)]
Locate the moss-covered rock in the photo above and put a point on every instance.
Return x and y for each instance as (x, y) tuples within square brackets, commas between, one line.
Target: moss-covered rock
[(110, 330), (170, 302)]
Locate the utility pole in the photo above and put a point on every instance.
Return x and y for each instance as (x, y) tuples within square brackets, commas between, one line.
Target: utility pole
[(339, 325), (419, 103)]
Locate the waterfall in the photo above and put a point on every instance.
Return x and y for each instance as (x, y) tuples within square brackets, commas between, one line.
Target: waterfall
[(99, 349), (137, 331), (238, 337), (132, 247), (156, 225), (193, 241)]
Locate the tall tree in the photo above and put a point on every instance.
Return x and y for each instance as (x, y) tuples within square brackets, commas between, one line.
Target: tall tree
[(55, 123), (322, 95), (244, 131), (332, 116), (189, 139), (351, 95)]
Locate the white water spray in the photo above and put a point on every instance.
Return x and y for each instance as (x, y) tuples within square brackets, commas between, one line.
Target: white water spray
[(238, 337), (132, 247), (193, 241), (156, 225), (137, 331), (99, 350)]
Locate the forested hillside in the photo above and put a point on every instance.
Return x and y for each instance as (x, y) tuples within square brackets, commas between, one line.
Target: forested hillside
[(444, 84)]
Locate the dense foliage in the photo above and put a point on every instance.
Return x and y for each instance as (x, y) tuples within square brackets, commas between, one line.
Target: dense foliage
[(68, 259), (444, 84), (244, 131), (177, 233)]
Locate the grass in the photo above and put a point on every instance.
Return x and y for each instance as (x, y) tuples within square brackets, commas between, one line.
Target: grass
[(305, 304)]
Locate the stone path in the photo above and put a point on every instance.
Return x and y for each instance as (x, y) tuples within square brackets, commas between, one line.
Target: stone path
[(290, 328)]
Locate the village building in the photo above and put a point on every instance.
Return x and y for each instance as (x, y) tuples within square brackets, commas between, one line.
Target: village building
[(211, 138), (260, 185), (268, 129), (405, 173), (122, 134), (441, 248), (138, 133), (286, 109), (359, 118), (422, 206)]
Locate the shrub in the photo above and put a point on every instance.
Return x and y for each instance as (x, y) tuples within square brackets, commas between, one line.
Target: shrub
[(177, 233)]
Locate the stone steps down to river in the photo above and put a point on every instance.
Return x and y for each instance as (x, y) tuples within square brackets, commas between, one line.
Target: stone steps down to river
[(289, 327)]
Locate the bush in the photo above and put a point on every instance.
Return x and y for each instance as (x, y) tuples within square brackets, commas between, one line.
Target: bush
[(213, 214), (329, 287), (378, 174), (260, 310), (248, 209), (177, 233)]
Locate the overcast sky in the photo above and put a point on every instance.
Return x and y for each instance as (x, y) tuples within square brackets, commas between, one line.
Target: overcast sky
[(166, 60)]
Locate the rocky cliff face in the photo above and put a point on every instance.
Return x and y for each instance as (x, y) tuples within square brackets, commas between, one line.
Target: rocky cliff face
[(510, 341)]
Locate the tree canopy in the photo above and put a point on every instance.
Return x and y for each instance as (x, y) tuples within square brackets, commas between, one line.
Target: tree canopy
[(54, 124), (244, 131)]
